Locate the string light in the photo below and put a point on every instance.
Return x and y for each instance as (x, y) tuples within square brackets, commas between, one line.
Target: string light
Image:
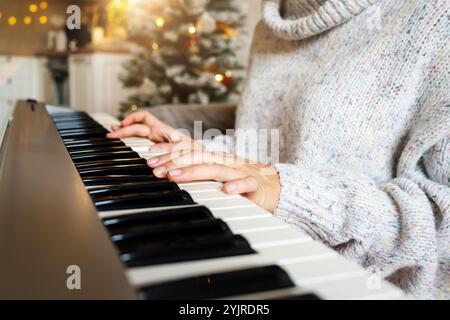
[(12, 21), (27, 20), (160, 22), (43, 19), (228, 74), (33, 8), (192, 29), (219, 77), (155, 46), (1, 14), (43, 5)]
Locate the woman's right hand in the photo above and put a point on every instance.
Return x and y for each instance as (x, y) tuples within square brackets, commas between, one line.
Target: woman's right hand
[(144, 124)]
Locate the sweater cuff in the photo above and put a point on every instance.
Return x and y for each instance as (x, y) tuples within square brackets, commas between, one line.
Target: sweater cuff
[(310, 202)]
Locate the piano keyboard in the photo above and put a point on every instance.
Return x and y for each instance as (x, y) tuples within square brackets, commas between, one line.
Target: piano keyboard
[(193, 241)]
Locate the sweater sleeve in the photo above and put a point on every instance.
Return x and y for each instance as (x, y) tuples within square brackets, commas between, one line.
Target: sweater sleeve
[(399, 229)]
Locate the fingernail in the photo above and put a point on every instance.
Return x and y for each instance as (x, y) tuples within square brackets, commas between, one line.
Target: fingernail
[(175, 172), (153, 161), (231, 187), (159, 171)]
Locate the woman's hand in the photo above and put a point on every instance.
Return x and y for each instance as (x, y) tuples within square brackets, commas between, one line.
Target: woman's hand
[(144, 124), (258, 182)]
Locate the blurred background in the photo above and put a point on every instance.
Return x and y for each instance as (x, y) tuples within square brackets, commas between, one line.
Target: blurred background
[(128, 54)]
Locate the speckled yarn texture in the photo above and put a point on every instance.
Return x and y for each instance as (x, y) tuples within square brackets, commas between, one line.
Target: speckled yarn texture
[(360, 92)]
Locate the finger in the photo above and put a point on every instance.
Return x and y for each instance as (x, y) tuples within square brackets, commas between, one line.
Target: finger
[(139, 117), (186, 144), (245, 185), (201, 172), (184, 158), (164, 158), (138, 130)]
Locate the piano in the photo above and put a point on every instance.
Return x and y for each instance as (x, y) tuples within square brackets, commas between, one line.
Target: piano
[(70, 197)]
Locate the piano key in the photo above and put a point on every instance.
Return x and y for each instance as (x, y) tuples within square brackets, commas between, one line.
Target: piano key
[(152, 187), (105, 156), (97, 149), (112, 180), (109, 163), (77, 132), (150, 200), (72, 125), (241, 214), (212, 196), (234, 245), (156, 218), (100, 144), (213, 286), (82, 135), (364, 287), (120, 169), (201, 187), (92, 141), (266, 224), (142, 276), (149, 237)]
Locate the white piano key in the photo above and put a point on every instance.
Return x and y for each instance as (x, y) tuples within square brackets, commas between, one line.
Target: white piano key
[(115, 213), (311, 272), (240, 213), (212, 196), (276, 238), (363, 287), (200, 187), (266, 224), (301, 251), (232, 203)]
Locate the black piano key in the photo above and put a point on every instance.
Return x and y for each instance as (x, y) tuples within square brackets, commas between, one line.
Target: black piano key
[(139, 201), (98, 150), (82, 146), (217, 247), (138, 221), (113, 180), (73, 118), (77, 125), (151, 187), (220, 285), (83, 135), (126, 169), (93, 141), (151, 237), (57, 114), (105, 156), (109, 163), (82, 130), (70, 116)]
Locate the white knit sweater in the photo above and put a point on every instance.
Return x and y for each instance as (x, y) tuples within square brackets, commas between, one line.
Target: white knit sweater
[(360, 92)]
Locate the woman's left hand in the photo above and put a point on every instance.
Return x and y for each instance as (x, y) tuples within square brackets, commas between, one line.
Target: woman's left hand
[(257, 182)]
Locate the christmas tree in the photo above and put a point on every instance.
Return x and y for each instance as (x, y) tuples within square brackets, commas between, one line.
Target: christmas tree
[(186, 52)]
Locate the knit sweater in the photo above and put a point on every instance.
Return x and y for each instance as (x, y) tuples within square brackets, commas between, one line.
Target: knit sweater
[(360, 93)]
